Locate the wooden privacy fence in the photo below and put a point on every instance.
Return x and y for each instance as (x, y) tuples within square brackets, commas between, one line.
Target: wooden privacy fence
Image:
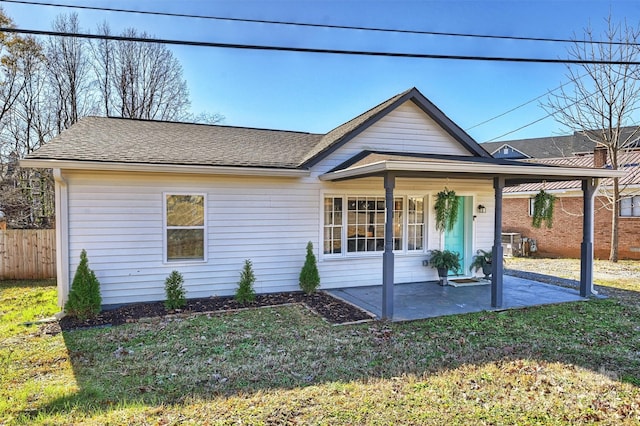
[(27, 254)]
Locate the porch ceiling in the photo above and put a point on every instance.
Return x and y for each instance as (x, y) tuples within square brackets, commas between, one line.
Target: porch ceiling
[(514, 172)]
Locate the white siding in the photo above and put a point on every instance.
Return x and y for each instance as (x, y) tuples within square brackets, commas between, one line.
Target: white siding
[(406, 129), (117, 218)]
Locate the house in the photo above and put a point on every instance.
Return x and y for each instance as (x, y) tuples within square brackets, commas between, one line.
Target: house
[(563, 239), (546, 147), (146, 197)]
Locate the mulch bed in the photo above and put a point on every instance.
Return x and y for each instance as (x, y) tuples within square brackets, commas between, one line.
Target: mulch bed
[(335, 311)]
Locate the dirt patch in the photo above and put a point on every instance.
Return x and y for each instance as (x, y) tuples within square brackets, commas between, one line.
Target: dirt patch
[(335, 311)]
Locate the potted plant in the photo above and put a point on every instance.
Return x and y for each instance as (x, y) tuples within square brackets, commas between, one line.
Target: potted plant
[(482, 260), (445, 261)]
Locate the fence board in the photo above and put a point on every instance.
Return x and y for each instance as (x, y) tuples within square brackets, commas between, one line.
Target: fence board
[(27, 254)]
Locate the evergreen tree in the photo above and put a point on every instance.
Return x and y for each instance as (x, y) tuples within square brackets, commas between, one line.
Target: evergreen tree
[(174, 289), (245, 292), (309, 276), (84, 298)]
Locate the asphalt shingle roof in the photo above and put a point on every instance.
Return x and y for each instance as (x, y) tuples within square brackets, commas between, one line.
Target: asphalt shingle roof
[(119, 140), (548, 147), (156, 142)]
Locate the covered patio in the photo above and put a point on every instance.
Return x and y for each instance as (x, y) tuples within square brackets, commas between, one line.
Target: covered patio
[(429, 299), (391, 167)]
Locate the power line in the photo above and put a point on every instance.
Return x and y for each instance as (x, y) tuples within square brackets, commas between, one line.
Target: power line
[(315, 25), (548, 92), (316, 50)]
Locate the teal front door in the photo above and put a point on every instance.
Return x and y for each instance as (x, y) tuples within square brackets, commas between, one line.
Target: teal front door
[(455, 239)]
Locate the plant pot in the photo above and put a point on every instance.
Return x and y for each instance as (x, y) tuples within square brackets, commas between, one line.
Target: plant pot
[(442, 274), (486, 270)]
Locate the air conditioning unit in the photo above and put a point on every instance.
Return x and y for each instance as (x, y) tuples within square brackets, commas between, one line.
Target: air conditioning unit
[(511, 244)]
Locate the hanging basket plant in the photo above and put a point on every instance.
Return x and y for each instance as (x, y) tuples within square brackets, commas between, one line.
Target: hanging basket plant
[(543, 209), (446, 209)]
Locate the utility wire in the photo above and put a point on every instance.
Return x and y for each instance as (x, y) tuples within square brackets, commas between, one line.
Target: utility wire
[(547, 93), (315, 50), (315, 25)]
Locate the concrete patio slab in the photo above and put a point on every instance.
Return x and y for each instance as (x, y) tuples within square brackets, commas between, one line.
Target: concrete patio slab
[(429, 299)]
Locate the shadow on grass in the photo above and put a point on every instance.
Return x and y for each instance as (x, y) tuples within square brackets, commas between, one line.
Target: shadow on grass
[(165, 362), (6, 284)]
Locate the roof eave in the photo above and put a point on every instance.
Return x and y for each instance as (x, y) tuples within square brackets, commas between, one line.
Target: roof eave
[(162, 168), (466, 168)]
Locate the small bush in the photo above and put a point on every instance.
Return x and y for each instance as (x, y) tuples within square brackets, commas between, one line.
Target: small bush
[(309, 276), (84, 298), (245, 292), (174, 289)]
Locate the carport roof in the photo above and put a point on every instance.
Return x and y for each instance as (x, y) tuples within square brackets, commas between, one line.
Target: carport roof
[(371, 163)]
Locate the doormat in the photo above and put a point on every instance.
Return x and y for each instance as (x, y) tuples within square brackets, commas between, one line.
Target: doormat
[(468, 282)]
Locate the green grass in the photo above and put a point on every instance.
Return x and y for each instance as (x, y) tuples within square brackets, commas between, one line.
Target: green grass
[(564, 364)]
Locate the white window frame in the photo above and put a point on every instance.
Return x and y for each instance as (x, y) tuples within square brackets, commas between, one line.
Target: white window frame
[(344, 238), (407, 224), (634, 207), (204, 228)]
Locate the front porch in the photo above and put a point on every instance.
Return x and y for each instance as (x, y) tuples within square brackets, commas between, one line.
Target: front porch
[(428, 299)]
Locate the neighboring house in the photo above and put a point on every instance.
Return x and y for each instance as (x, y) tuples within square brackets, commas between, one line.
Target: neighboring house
[(549, 147), (146, 197), (563, 239)]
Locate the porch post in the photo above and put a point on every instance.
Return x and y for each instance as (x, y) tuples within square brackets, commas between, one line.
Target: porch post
[(497, 268), (589, 187), (387, 258)]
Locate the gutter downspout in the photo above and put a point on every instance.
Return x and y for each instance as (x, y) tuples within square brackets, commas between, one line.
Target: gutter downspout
[(62, 236)]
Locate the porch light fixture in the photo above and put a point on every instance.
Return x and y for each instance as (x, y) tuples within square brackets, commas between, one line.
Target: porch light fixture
[(481, 208)]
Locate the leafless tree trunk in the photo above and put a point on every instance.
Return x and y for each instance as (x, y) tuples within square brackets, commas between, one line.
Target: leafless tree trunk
[(140, 80), (69, 71), (601, 101)]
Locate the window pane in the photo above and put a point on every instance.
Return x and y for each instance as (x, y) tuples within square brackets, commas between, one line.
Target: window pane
[(625, 206), (185, 244), (185, 210)]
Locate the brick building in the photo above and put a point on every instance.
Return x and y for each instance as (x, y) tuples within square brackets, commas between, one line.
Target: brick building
[(564, 238)]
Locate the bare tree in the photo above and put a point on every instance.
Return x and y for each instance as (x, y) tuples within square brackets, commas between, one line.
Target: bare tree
[(70, 72), (601, 100), (139, 80)]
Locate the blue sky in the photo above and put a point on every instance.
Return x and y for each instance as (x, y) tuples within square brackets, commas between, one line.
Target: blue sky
[(317, 92)]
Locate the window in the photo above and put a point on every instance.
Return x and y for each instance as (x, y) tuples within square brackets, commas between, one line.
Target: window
[(185, 227), (355, 224), (630, 206), (332, 225), (415, 224)]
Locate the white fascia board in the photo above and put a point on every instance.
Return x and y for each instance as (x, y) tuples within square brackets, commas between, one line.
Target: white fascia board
[(560, 192), (465, 167), (162, 168)]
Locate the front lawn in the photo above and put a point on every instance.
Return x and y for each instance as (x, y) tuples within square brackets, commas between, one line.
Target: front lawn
[(564, 364)]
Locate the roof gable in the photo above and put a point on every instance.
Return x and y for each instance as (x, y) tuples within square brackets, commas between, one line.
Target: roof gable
[(349, 130), (507, 151)]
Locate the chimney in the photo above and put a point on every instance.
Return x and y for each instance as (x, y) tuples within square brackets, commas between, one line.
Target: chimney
[(599, 157)]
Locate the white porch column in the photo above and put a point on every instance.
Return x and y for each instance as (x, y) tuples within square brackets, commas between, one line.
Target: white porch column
[(387, 257)]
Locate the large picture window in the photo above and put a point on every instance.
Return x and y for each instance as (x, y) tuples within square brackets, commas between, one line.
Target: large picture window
[(356, 224), (630, 206), (185, 227)]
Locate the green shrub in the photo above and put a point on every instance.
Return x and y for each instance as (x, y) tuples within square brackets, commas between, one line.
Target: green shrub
[(245, 292), (309, 276), (84, 298), (174, 289)]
